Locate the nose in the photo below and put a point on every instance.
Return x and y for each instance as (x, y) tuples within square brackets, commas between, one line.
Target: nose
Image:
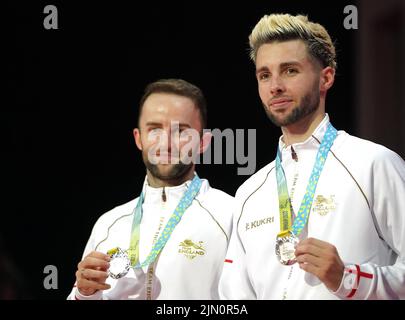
[(173, 136), (170, 138), (161, 139), (276, 86)]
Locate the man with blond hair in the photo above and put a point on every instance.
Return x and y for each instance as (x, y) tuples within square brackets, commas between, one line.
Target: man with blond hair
[(326, 218)]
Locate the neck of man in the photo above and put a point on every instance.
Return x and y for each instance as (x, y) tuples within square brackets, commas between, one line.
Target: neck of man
[(156, 182), (303, 128)]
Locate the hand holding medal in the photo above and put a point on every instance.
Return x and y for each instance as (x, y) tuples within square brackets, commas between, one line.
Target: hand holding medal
[(91, 273), (321, 259)]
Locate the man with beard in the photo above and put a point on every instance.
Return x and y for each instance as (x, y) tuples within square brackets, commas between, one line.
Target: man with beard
[(170, 242), (326, 219)]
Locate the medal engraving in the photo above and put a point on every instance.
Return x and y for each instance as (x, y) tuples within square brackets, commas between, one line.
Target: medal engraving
[(285, 248), (119, 263)]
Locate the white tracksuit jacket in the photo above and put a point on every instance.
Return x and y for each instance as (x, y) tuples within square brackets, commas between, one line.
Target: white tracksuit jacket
[(190, 264), (359, 207)]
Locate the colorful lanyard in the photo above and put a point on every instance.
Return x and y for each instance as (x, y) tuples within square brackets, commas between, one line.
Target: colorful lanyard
[(175, 218), (301, 219)]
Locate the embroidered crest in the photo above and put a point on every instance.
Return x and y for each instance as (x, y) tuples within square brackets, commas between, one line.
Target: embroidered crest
[(191, 249), (324, 205)]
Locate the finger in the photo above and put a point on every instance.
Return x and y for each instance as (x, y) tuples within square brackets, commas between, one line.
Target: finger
[(315, 242), (86, 284), (99, 276), (311, 268), (305, 247), (93, 263), (309, 259), (99, 255)]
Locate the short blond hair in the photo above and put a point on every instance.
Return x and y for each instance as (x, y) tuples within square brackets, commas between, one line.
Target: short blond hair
[(284, 27)]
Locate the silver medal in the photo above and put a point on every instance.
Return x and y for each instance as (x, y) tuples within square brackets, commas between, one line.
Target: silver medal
[(285, 248), (119, 264)]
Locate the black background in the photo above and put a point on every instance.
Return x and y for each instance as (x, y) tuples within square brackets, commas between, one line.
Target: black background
[(70, 104)]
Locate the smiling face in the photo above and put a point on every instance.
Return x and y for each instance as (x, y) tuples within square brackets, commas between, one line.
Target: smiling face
[(289, 81), (164, 119)]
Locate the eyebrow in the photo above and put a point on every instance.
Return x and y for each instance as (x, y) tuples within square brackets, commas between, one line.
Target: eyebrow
[(159, 124), (151, 123), (262, 69), (184, 125), (282, 66), (290, 63)]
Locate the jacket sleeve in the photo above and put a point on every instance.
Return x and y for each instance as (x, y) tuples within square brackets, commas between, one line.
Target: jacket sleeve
[(370, 280), (75, 294), (235, 283)]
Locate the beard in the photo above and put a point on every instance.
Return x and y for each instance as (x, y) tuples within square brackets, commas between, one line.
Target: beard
[(168, 172), (309, 104)]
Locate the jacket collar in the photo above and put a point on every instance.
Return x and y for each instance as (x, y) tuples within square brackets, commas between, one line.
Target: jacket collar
[(311, 143)]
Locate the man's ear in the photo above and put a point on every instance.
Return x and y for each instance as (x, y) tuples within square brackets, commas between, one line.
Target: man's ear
[(205, 142), (137, 136), (327, 79)]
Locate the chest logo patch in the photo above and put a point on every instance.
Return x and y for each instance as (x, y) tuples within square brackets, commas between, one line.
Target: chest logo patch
[(323, 205), (191, 249)]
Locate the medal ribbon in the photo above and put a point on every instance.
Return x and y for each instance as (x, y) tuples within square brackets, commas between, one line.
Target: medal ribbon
[(285, 206), (175, 218)]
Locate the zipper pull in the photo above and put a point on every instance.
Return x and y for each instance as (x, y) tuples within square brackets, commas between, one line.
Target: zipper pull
[(164, 198), (294, 154)]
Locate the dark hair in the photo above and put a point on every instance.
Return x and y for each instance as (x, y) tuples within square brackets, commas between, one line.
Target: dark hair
[(179, 87)]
